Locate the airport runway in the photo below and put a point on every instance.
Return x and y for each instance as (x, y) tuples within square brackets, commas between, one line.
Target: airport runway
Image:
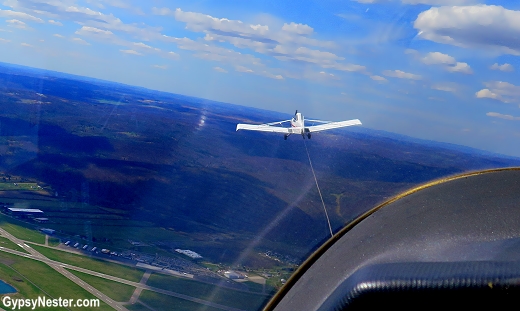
[(61, 268), (33, 254)]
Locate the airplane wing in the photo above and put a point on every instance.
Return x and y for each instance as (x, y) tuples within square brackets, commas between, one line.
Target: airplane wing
[(332, 125), (264, 128)]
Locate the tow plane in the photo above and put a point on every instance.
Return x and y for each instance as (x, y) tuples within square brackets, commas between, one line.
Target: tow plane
[(297, 126)]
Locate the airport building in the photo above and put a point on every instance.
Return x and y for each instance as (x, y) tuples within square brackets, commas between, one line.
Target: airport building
[(188, 253), (234, 275), (48, 231), (25, 212)]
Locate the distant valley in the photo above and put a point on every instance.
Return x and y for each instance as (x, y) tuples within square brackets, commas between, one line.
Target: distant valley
[(124, 160)]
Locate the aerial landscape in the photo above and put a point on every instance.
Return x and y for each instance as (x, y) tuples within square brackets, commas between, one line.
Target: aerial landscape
[(132, 184), (126, 182)]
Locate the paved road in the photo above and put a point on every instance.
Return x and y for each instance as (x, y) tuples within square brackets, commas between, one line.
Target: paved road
[(60, 267), (34, 254), (138, 290)]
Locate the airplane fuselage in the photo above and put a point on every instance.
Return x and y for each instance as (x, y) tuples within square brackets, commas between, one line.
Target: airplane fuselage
[(298, 126)]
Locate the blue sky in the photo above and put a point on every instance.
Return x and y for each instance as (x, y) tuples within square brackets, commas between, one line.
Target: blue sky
[(434, 69)]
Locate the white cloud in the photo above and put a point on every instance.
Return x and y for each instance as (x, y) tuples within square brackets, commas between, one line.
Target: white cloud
[(69, 10), (212, 52), (132, 52), (160, 66), (19, 15), (118, 4), (2, 40), (143, 46), (437, 58), (220, 69), (378, 78), (460, 67), (292, 42), (440, 2), (53, 22), (401, 74), (26, 45), (243, 69), (299, 29), (17, 24), (263, 73), (449, 62), (172, 55), (484, 26), (486, 93), (502, 116), (445, 87), (79, 41), (503, 67), (95, 32), (502, 91), (58, 35)]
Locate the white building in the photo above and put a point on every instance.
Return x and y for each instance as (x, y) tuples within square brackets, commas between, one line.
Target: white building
[(188, 253)]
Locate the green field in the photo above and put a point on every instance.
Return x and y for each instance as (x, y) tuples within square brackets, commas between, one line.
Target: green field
[(106, 267), (25, 186), (5, 242), (220, 295), (16, 228), (117, 291), (32, 279), (54, 241), (164, 302), (137, 307)]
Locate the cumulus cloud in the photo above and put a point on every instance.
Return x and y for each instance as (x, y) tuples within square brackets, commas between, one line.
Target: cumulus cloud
[(460, 67), (449, 62), (299, 29), (502, 116), (58, 35), (160, 66), (146, 47), (53, 22), (69, 10), (445, 87), (17, 24), (401, 74), (502, 91), (436, 58), (484, 26), (292, 42), (212, 52), (503, 67), (26, 45), (220, 69), (243, 69), (263, 73), (378, 78), (95, 32), (2, 40), (79, 41), (131, 52), (19, 15), (172, 55), (121, 4)]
